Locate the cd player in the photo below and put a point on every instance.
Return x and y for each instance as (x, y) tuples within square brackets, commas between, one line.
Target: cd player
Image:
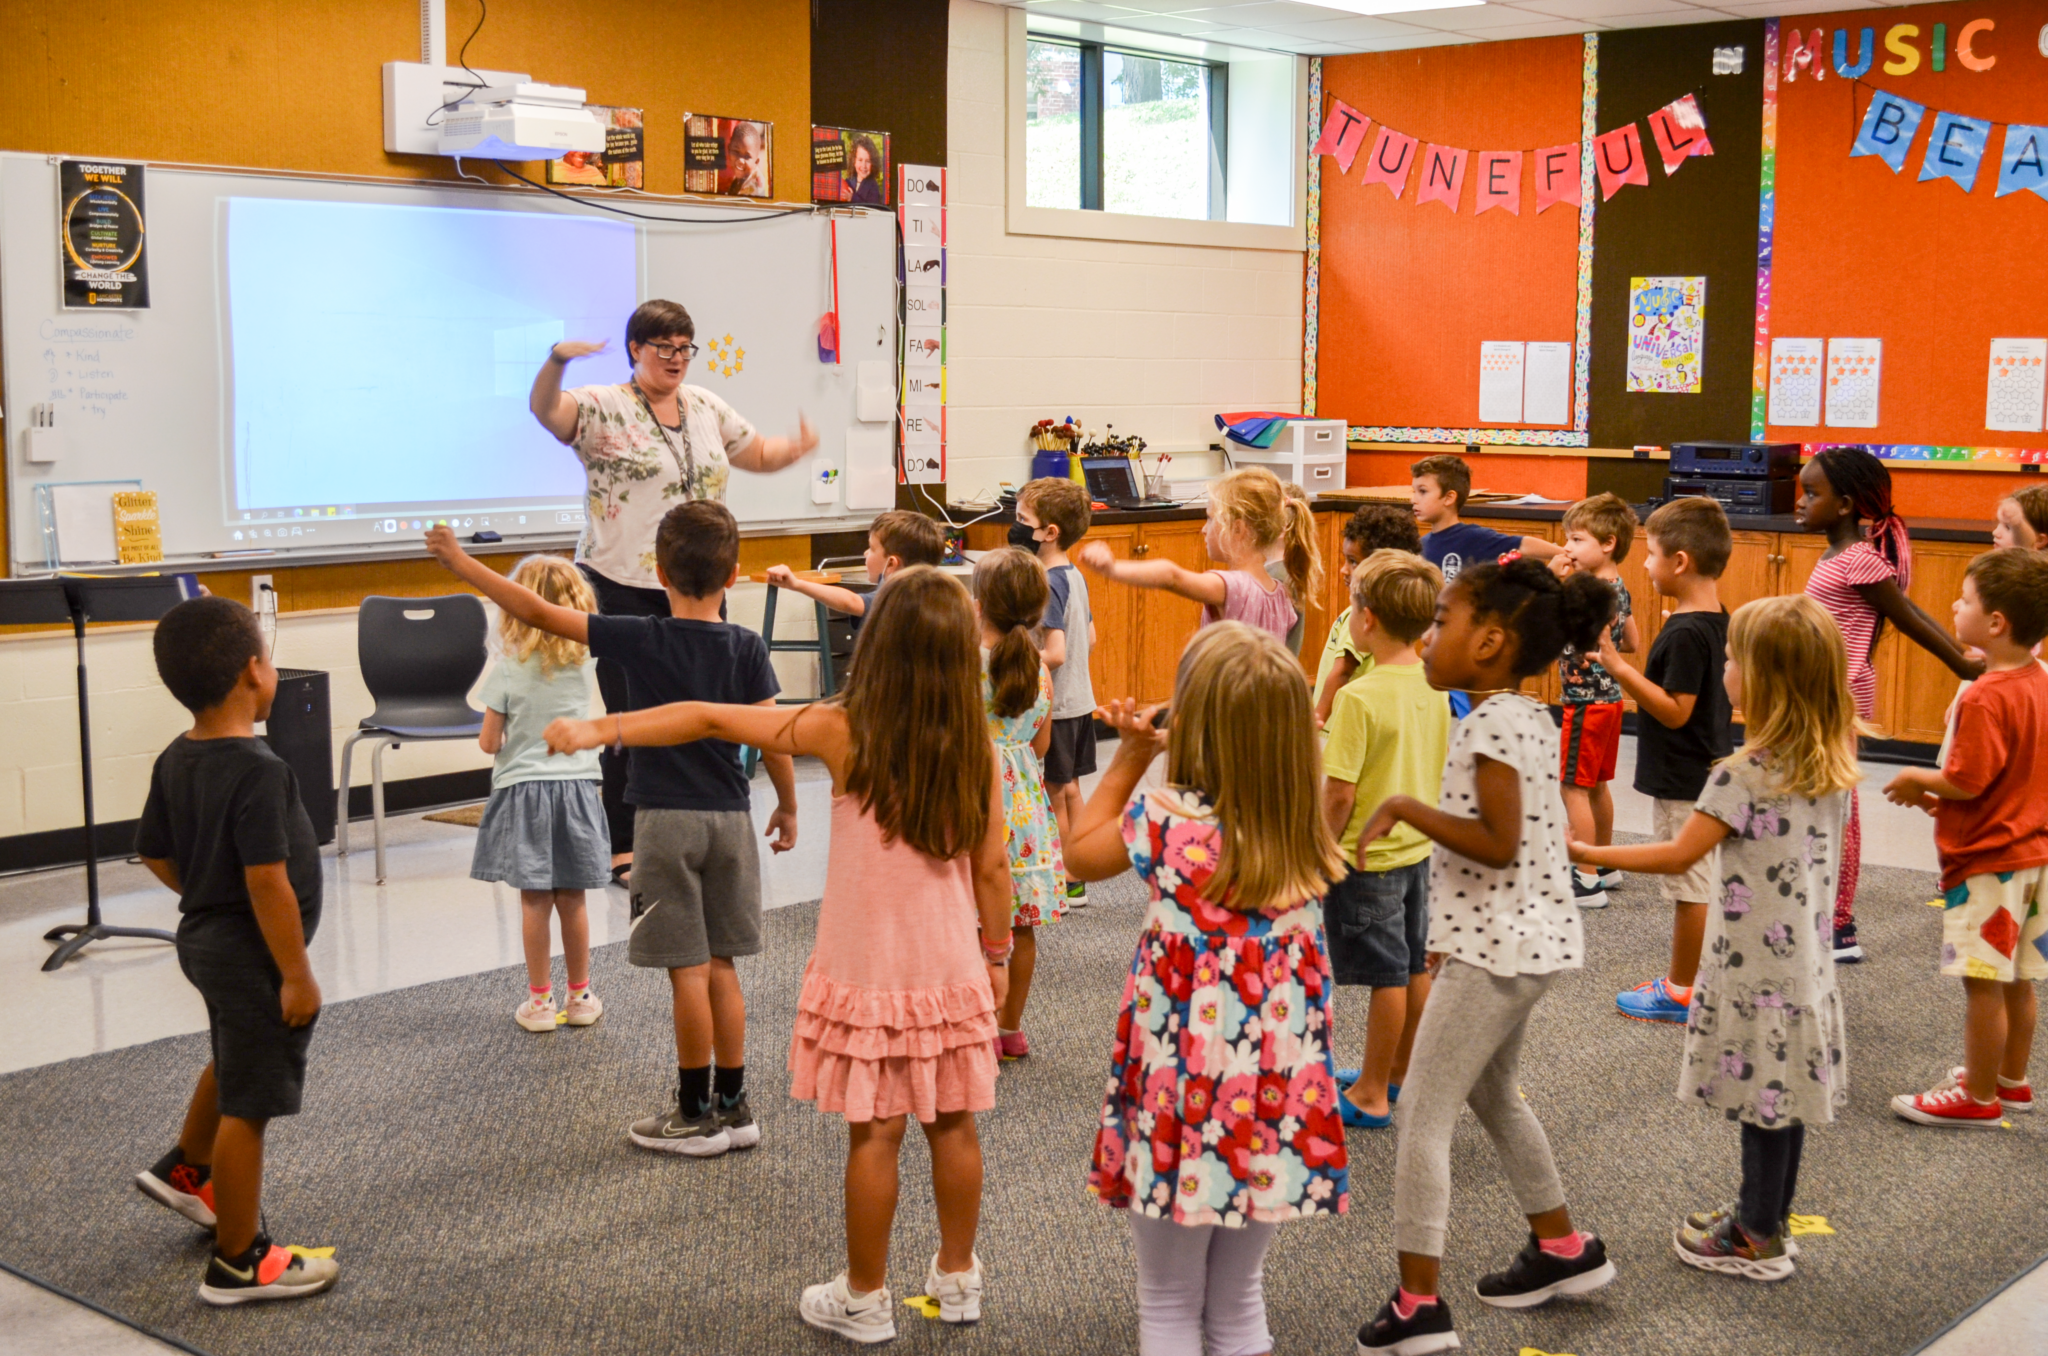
[(1759, 461)]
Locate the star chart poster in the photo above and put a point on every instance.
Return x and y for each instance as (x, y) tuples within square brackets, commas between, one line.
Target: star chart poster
[(1666, 334)]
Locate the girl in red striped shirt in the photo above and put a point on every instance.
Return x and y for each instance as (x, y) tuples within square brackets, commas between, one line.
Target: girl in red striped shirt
[(1846, 493)]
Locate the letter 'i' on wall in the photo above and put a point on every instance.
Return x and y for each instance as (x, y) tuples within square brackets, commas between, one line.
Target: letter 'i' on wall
[(921, 213)]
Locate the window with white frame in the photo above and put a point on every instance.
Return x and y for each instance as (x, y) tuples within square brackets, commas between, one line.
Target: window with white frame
[(1122, 135)]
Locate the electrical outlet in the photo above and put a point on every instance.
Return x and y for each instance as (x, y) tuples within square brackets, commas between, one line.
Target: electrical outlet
[(259, 586)]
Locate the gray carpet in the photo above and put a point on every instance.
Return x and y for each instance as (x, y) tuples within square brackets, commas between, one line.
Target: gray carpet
[(482, 1196)]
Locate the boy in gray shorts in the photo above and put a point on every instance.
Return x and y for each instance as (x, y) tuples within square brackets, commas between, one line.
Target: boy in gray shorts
[(696, 882)]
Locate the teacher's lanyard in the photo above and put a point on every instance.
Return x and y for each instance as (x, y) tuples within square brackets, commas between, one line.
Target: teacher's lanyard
[(686, 461)]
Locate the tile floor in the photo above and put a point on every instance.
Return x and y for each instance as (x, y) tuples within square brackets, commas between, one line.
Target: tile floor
[(430, 922)]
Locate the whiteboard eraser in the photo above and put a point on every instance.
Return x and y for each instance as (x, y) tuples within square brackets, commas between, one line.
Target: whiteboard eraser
[(44, 445)]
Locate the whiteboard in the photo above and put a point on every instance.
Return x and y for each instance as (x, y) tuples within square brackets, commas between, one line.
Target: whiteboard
[(143, 395)]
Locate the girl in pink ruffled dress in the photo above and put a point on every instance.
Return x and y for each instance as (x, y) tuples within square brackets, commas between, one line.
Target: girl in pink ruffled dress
[(898, 1012)]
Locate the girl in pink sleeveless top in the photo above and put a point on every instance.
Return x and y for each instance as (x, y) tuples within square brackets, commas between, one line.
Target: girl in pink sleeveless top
[(1250, 517), (897, 1017)]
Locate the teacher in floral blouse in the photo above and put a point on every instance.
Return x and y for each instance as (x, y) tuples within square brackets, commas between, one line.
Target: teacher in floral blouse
[(645, 447)]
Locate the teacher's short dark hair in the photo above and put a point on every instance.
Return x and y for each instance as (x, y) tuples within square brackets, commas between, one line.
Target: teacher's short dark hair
[(202, 645), (659, 319), (698, 546)]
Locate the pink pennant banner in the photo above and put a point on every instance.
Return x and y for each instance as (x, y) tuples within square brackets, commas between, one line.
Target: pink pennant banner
[(1557, 176), (1392, 155), (1618, 155), (1499, 183), (1680, 132), (1343, 134), (1443, 175)]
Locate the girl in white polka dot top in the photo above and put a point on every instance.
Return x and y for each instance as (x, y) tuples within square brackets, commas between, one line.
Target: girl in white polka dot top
[(1501, 926)]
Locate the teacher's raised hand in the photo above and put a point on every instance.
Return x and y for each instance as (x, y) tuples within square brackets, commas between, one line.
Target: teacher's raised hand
[(555, 410)]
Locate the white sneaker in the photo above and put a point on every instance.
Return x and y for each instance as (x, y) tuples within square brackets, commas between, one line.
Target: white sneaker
[(958, 1293), (1610, 878), (537, 1014), (869, 1319), (584, 1009)]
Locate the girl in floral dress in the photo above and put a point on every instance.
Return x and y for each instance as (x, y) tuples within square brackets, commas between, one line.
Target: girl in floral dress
[(1011, 591), (1764, 1038), (1220, 1120)]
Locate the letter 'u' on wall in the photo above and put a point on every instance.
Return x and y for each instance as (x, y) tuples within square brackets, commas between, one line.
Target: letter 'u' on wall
[(1905, 57), (1842, 66), (1969, 34)]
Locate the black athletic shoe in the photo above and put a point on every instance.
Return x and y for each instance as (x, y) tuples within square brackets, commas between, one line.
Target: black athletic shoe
[(1535, 1277), (181, 1186), (265, 1272), (1848, 951), (1429, 1331)]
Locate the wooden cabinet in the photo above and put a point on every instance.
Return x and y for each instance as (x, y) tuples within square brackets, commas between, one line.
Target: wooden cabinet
[(1112, 660), (1164, 620), (1914, 688)]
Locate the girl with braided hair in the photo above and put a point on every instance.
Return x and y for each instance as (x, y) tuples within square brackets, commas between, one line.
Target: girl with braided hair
[(1846, 493)]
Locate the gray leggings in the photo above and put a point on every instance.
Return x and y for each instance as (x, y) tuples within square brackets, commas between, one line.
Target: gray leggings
[(1468, 1052)]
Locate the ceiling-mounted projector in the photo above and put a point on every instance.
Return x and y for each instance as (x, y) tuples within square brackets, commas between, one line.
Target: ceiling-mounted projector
[(520, 122)]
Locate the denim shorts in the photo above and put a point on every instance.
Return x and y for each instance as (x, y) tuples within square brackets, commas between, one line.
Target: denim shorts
[(1377, 924)]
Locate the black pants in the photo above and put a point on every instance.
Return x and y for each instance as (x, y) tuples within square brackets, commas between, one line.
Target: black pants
[(1770, 1172), (619, 600)]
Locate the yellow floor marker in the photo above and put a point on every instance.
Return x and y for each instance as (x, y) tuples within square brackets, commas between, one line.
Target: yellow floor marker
[(1538, 1351), (1804, 1225), (1936, 904), (924, 1304)]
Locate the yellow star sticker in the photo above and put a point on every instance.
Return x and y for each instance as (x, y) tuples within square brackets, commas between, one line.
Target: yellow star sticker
[(739, 353), (726, 340)]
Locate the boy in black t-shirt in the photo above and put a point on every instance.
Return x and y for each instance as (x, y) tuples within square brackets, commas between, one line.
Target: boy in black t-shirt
[(696, 882), (224, 827), (1682, 722)]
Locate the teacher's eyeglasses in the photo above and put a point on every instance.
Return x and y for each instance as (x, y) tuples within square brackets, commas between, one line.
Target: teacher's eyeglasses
[(670, 352)]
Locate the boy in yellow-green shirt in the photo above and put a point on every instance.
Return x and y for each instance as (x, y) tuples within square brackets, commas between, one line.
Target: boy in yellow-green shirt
[(1388, 734), (1372, 527)]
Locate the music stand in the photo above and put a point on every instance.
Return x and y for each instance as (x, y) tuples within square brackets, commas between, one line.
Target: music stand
[(30, 602)]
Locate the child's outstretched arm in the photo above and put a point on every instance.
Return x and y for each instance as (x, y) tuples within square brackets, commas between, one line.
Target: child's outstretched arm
[(568, 622), (1694, 841), (1915, 625), (1491, 840), (831, 595), (1671, 710), (1095, 849), (820, 731), (1205, 587)]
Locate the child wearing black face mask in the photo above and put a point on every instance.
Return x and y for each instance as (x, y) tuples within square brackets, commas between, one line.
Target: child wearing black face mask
[(897, 540), (1053, 514)]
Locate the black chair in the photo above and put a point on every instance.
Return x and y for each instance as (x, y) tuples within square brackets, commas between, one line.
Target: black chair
[(419, 657)]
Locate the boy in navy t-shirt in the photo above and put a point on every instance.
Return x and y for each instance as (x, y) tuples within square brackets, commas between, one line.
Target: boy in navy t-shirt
[(223, 826), (1437, 494), (696, 882)]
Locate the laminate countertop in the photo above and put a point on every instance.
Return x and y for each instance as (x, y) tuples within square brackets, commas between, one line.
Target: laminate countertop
[(1924, 529)]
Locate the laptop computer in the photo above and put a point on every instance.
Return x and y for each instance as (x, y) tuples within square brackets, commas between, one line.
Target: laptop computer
[(1110, 481)]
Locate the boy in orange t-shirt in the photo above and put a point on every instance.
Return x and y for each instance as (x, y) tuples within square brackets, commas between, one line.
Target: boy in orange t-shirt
[(1990, 807)]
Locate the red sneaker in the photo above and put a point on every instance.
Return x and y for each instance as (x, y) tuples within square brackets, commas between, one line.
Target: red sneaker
[(1952, 1106), (1012, 1045), (2016, 1099)]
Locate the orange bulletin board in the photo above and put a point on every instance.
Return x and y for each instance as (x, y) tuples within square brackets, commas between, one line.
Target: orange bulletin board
[(1933, 271), (1408, 292)]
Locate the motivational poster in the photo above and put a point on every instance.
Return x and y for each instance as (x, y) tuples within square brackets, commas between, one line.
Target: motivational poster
[(1666, 334)]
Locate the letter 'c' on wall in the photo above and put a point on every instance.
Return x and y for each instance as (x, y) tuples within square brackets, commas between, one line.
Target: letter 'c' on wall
[(1968, 34), (1905, 57)]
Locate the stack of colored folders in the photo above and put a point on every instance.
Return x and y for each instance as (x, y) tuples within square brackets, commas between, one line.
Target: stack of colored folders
[(1253, 428)]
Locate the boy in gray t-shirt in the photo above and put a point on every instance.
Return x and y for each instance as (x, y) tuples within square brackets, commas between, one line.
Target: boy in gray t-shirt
[(1052, 515)]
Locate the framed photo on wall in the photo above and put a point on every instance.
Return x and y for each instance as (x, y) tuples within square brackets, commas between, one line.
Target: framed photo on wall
[(850, 165), (728, 157)]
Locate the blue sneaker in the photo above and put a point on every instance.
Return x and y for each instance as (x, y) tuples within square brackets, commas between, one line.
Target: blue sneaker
[(1651, 1002), (1354, 1118)]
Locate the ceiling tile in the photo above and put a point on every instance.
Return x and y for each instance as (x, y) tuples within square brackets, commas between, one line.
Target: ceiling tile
[(1547, 28), (1668, 20), (1424, 40), (1357, 29), (1600, 10), (1787, 8), (1480, 19)]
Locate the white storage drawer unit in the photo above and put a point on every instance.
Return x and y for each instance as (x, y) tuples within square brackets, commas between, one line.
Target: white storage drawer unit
[(1308, 452)]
